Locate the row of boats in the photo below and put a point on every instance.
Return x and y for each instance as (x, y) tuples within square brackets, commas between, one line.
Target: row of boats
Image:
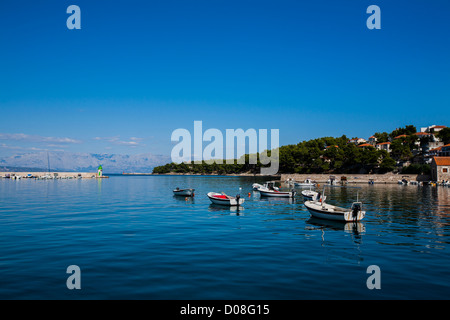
[(314, 201)]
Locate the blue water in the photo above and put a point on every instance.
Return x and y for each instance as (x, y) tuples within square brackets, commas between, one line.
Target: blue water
[(132, 239)]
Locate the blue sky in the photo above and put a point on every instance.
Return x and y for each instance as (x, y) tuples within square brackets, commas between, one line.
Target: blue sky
[(138, 70)]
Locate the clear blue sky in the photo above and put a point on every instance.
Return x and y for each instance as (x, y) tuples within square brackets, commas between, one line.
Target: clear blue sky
[(137, 70)]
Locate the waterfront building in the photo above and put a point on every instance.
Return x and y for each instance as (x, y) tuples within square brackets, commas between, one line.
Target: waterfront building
[(440, 167)]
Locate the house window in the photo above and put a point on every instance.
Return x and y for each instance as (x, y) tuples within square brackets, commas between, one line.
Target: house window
[(444, 170)]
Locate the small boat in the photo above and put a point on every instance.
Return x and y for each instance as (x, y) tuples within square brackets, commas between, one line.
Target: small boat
[(306, 183), (184, 192), (319, 209), (322, 210), (269, 185), (309, 194), (224, 200), (277, 193)]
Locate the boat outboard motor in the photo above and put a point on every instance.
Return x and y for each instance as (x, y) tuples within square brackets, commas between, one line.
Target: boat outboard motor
[(238, 197), (356, 208)]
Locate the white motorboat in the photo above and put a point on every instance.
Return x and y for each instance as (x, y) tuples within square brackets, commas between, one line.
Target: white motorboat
[(277, 193), (306, 183), (322, 210), (309, 194), (224, 200), (269, 185), (184, 192)]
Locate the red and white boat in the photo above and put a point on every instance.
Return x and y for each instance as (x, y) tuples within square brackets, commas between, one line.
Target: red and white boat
[(224, 200)]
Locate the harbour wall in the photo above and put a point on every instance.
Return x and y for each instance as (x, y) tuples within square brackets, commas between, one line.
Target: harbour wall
[(387, 178), (62, 175)]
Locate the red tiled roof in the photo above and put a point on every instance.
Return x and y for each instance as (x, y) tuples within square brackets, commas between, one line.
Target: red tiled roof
[(422, 133), (401, 136), (440, 127), (382, 143), (442, 161), (365, 145)]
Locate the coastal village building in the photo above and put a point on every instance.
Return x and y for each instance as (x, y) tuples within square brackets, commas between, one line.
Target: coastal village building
[(384, 146), (428, 144), (440, 169), (435, 152), (444, 151), (357, 140), (432, 129), (365, 145)]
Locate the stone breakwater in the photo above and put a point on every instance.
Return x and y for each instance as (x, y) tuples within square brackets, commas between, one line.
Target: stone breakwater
[(387, 178), (57, 175)]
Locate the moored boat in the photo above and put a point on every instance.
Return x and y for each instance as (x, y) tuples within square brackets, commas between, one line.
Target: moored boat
[(225, 200), (306, 183), (277, 193), (309, 194), (269, 185), (184, 192), (322, 210)]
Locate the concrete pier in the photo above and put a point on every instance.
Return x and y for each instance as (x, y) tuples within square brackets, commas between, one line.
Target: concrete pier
[(53, 175)]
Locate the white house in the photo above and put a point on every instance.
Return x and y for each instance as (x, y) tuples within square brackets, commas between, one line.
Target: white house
[(357, 140), (384, 146), (373, 140)]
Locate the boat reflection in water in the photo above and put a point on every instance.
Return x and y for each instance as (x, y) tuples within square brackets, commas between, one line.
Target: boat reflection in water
[(356, 228), (189, 200), (232, 210), (275, 200)]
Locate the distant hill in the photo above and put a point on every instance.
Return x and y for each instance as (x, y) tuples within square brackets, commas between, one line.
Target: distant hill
[(83, 162)]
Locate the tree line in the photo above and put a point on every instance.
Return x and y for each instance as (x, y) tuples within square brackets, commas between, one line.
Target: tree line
[(327, 155)]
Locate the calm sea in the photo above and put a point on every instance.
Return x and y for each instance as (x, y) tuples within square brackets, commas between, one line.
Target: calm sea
[(132, 239)]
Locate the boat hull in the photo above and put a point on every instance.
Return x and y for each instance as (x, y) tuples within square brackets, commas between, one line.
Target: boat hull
[(309, 195), (184, 192), (229, 201), (278, 194), (332, 212)]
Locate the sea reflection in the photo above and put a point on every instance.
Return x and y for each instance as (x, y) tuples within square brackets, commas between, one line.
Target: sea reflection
[(279, 200), (181, 199), (354, 228), (232, 210)]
